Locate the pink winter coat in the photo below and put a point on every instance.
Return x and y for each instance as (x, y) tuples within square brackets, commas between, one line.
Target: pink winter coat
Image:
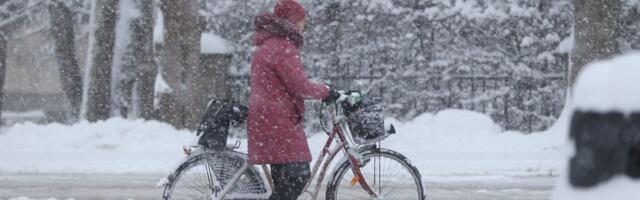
[(278, 89)]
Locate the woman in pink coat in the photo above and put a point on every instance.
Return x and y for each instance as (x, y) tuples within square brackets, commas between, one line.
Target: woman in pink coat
[(279, 87)]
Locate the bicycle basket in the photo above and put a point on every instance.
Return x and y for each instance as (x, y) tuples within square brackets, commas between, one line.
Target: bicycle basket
[(367, 125)]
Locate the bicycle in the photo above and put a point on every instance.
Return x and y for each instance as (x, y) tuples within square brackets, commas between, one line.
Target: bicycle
[(366, 171)]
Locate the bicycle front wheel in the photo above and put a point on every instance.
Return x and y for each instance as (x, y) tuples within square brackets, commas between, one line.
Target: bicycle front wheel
[(194, 179), (387, 172)]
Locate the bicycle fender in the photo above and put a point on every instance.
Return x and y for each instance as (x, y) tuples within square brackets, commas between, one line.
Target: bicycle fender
[(360, 150), (194, 152), (167, 179), (366, 148)]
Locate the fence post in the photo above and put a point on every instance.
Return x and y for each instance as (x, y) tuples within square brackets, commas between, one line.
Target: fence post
[(506, 106), (3, 66), (484, 87), (450, 93), (473, 94)]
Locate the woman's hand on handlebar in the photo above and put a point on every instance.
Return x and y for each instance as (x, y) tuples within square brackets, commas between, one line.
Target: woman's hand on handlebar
[(334, 95), (350, 97)]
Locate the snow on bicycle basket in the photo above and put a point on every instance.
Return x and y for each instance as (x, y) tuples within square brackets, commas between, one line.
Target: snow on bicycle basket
[(365, 123)]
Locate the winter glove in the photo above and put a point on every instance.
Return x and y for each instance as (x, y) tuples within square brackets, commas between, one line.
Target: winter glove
[(352, 97), (334, 95)]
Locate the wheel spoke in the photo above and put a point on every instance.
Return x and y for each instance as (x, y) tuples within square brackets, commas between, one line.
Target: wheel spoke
[(386, 173), (196, 181)]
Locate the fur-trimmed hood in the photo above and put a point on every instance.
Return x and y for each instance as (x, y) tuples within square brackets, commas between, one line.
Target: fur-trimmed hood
[(268, 25)]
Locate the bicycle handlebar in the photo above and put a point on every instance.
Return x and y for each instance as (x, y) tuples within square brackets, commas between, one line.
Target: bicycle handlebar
[(363, 103)]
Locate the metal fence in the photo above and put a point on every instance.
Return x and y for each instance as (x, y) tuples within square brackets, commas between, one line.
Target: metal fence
[(525, 104)]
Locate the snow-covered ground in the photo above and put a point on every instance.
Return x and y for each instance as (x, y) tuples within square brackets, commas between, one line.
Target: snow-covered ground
[(451, 142), (461, 155), (456, 142), (113, 146), (141, 187)]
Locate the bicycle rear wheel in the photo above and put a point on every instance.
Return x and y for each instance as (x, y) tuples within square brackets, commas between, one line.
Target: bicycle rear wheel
[(193, 180), (388, 173)]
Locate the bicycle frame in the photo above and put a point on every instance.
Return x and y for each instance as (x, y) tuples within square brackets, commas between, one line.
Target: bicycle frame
[(350, 153), (339, 126), (338, 132)]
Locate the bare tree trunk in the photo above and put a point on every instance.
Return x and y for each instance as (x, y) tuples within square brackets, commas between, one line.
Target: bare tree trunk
[(211, 81), (62, 29), (143, 53), (181, 57), (133, 83), (99, 101), (595, 30), (3, 66)]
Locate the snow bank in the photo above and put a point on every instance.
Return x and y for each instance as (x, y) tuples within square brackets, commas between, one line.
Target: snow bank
[(457, 142), (464, 122), (445, 144), (610, 85), (114, 146)]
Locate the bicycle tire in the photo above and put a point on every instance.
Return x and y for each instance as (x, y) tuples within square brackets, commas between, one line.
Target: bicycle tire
[(189, 181), (341, 187)]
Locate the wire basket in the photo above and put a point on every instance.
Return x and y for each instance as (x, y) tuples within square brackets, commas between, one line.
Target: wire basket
[(367, 125)]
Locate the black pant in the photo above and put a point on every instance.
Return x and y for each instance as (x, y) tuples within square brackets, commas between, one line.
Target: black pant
[(289, 180)]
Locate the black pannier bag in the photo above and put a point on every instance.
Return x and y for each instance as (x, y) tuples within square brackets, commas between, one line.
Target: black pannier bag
[(366, 125), (214, 124)]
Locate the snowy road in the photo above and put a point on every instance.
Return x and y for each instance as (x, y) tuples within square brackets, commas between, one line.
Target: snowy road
[(141, 186)]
